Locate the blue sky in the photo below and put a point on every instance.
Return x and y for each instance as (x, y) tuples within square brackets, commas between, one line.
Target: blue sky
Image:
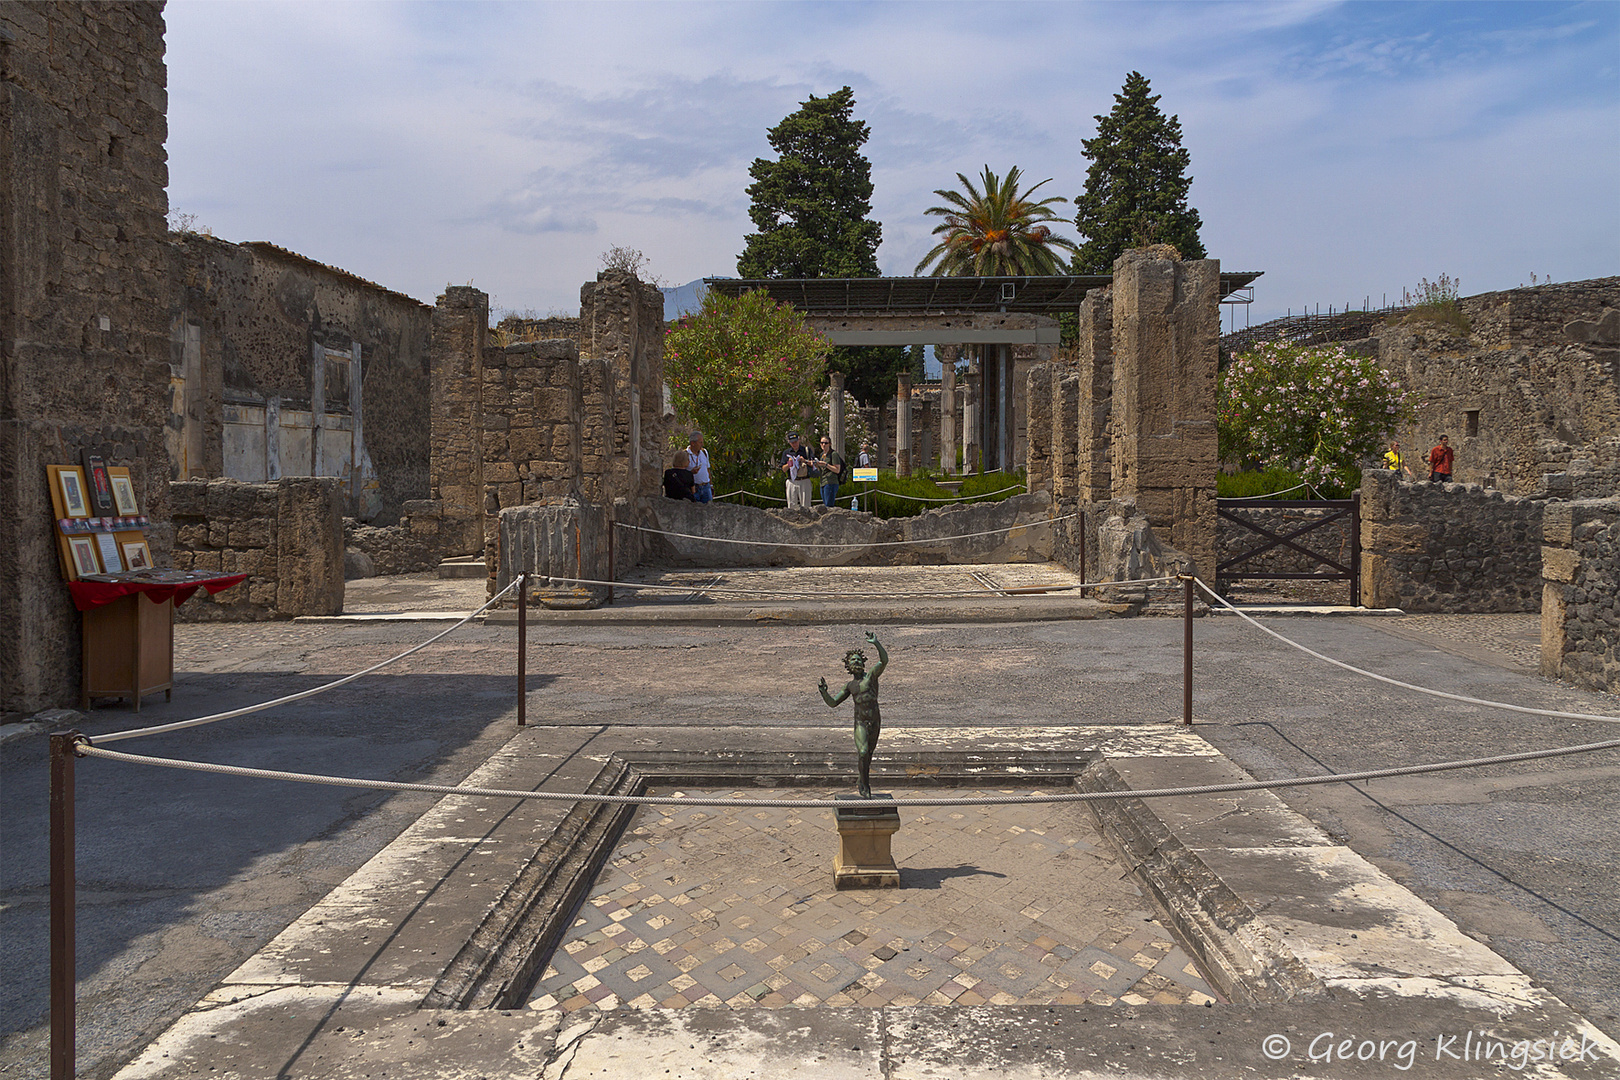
[(1347, 150)]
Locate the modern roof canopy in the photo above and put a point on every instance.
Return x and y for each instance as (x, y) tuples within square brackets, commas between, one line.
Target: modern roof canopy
[(938, 295)]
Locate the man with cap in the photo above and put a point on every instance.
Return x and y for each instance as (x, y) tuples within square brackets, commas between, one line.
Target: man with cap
[(702, 482), (796, 465)]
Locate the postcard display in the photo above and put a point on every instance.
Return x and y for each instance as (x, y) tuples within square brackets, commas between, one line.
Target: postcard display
[(128, 641)]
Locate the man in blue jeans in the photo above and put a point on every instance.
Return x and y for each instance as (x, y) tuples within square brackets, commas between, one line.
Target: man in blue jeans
[(702, 483)]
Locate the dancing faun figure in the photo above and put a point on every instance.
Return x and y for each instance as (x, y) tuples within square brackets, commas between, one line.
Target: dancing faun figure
[(863, 687)]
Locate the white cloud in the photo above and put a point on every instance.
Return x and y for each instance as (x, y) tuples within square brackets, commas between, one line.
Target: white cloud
[(1340, 148)]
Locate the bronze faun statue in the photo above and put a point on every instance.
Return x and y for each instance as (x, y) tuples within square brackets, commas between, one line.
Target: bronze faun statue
[(864, 689)]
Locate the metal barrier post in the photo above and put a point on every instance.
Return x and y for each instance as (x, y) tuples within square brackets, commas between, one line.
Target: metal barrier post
[(523, 647), (1082, 549), (1186, 655), (1355, 548), (612, 529), (64, 974)]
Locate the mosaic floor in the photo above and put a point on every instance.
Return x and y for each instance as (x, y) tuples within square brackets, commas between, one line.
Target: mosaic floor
[(713, 908)]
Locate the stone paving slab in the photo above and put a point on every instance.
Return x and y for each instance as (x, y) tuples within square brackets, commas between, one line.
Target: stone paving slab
[(1007, 905)]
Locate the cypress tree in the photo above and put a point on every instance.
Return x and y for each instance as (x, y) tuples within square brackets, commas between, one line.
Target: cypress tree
[(1136, 188), (811, 204)]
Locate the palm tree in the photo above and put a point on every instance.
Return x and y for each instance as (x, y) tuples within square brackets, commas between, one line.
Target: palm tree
[(996, 233)]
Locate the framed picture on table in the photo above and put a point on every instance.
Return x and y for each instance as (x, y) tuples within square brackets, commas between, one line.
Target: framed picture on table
[(136, 555), (84, 555), (70, 486), (123, 489)]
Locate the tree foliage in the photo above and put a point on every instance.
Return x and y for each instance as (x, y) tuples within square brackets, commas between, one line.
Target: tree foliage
[(811, 204), (1136, 187), (745, 369), (997, 232), (1317, 410)]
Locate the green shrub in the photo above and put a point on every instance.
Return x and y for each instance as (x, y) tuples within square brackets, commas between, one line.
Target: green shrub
[(1436, 302), (883, 498), (1283, 484)]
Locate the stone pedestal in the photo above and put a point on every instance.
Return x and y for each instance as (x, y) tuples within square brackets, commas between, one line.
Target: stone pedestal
[(864, 860)]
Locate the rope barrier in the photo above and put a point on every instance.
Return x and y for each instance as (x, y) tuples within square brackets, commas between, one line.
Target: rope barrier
[(84, 748), (1273, 495), (750, 494), (894, 495), (731, 590), (159, 729), (1397, 682), (874, 543)]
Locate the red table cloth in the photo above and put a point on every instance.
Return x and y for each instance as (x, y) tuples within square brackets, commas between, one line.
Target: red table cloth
[(89, 594)]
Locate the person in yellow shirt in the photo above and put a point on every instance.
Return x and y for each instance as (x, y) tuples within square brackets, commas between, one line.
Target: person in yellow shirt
[(1394, 462)]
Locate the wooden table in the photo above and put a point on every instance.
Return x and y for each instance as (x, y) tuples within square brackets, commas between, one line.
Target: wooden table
[(128, 634)]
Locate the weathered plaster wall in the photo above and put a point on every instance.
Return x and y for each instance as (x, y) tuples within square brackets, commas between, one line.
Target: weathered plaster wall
[(246, 321), (1580, 607), (84, 344)]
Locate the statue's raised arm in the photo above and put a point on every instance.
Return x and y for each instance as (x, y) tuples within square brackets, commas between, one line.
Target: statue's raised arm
[(883, 654), (830, 699)]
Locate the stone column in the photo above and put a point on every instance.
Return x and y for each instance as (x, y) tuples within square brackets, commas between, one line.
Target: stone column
[(1166, 325), (835, 414), (456, 363), (902, 426), (947, 355), (970, 420), (1094, 452), (1038, 445)]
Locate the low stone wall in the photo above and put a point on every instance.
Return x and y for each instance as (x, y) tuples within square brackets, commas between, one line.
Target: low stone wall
[(286, 536), (779, 537), (1580, 605), (563, 538), (1118, 544), (1454, 548), (415, 545)]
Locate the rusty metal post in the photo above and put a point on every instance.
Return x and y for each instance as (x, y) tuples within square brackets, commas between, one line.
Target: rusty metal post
[(1082, 549), (613, 529), (1187, 656), (523, 648), (64, 974)]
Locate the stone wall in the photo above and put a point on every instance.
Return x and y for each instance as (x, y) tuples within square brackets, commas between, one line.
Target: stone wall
[(412, 546), (1580, 606), (84, 342), (776, 538), (622, 320), (1448, 547), (460, 326), (1093, 460), (1530, 398), (261, 339), (286, 536)]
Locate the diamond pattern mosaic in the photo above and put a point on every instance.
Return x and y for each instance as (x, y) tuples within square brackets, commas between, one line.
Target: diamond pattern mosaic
[(713, 908)]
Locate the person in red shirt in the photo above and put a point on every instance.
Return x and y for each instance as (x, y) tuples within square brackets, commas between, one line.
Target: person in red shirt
[(1440, 459)]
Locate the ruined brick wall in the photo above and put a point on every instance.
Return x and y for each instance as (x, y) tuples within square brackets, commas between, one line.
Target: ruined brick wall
[(245, 321), (1040, 385), (84, 344), (1453, 548), (622, 321), (1580, 606), (533, 426), (514, 329), (459, 327), (286, 536), (410, 546), (1094, 461), (1166, 321), (1532, 392)]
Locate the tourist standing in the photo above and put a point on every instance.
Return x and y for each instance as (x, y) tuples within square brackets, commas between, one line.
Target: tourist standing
[(1440, 459), (865, 460), (796, 465), (702, 482), (831, 463), (1394, 462)]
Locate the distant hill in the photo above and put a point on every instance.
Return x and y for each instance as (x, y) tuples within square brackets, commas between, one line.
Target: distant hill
[(682, 299)]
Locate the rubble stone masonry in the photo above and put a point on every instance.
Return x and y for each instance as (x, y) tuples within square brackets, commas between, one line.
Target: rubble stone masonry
[(1580, 607), (1453, 548), (456, 359), (84, 341)]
